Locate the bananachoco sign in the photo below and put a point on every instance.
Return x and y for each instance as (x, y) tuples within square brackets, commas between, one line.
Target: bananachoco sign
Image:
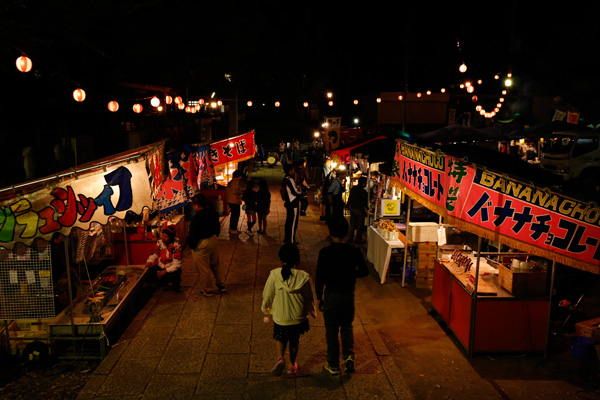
[(490, 204)]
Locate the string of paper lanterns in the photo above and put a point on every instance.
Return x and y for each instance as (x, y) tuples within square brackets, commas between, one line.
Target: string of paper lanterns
[(24, 64)]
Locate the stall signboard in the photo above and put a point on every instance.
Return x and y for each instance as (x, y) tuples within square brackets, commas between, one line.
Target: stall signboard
[(390, 208), (533, 217), (235, 149), (76, 202)]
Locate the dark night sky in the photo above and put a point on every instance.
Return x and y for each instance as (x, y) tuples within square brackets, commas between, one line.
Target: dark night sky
[(285, 49)]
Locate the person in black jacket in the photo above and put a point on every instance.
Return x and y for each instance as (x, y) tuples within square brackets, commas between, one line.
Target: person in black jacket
[(292, 204), (358, 202), (203, 239), (338, 266)]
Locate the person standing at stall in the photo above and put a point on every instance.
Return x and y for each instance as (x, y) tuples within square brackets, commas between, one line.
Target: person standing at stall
[(250, 198), (164, 261), (338, 267), (288, 297), (203, 238), (335, 192), (291, 197), (358, 200), (263, 205), (234, 198)]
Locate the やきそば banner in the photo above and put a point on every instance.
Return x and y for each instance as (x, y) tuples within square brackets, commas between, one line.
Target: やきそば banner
[(235, 149), (75, 203), (496, 204)]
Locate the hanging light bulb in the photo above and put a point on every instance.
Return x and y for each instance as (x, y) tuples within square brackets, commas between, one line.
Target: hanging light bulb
[(277, 104), (379, 99), (113, 106), (249, 103), (355, 102), (305, 104), (24, 64), (79, 95)]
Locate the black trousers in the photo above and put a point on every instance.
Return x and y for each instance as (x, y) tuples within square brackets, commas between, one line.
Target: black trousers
[(338, 316), (291, 221), (234, 218)]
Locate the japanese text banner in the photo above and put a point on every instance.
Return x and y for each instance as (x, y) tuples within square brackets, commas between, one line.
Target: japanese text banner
[(235, 149), (75, 202), (494, 203)]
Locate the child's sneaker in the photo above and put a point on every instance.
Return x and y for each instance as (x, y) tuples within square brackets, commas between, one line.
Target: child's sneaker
[(279, 366), (349, 365), (331, 370), (293, 369)]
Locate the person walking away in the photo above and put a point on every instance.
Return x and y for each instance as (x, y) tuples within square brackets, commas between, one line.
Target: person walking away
[(338, 267), (300, 180), (234, 198), (250, 198), (288, 297), (203, 239), (263, 205), (291, 197), (326, 181), (282, 147), (358, 200), (164, 262), (335, 192)]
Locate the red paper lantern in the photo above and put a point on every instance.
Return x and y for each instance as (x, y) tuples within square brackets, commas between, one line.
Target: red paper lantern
[(79, 95), (24, 64), (113, 106), (168, 99), (137, 108), (181, 106), (178, 100)]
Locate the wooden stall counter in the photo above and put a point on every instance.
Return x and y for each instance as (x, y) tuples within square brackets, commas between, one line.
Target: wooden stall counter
[(492, 321)]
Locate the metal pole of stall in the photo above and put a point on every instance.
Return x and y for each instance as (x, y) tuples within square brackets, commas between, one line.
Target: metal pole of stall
[(70, 290), (550, 303), (474, 300), (409, 203)]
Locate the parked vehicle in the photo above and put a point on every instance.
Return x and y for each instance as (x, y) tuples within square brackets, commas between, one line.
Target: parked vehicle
[(575, 157)]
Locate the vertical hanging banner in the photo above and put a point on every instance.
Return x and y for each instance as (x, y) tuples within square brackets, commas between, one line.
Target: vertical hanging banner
[(172, 192), (204, 166), (75, 202), (495, 204), (332, 132), (235, 149)]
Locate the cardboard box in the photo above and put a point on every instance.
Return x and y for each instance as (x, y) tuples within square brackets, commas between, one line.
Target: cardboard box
[(531, 283), (427, 247), (589, 329), (428, 258), (422, 231), (425, 273), (424, 282)]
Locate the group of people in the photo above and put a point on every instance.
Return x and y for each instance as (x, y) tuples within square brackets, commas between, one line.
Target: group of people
[(288, 298), (164, 262), (332, 203), (254, 199)]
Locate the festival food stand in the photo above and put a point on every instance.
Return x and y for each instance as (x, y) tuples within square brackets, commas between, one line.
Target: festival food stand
[(96, 199), (473, 298)]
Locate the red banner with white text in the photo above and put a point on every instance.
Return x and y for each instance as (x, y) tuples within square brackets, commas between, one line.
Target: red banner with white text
[(529, 218)]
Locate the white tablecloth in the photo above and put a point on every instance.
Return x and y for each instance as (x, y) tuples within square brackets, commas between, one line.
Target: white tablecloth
[(379, 251)]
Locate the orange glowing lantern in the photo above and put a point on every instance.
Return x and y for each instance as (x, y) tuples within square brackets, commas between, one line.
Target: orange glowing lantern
[(154, 102), (277, 104), (79, 95), (24, 64), (178, 100), (181, 106), (113, 106), (305, 104), (137, 108), (249, 103), (168, 99)]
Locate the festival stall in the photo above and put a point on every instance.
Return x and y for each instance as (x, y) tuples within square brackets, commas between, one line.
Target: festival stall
[(500, 305), (115, 207)]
